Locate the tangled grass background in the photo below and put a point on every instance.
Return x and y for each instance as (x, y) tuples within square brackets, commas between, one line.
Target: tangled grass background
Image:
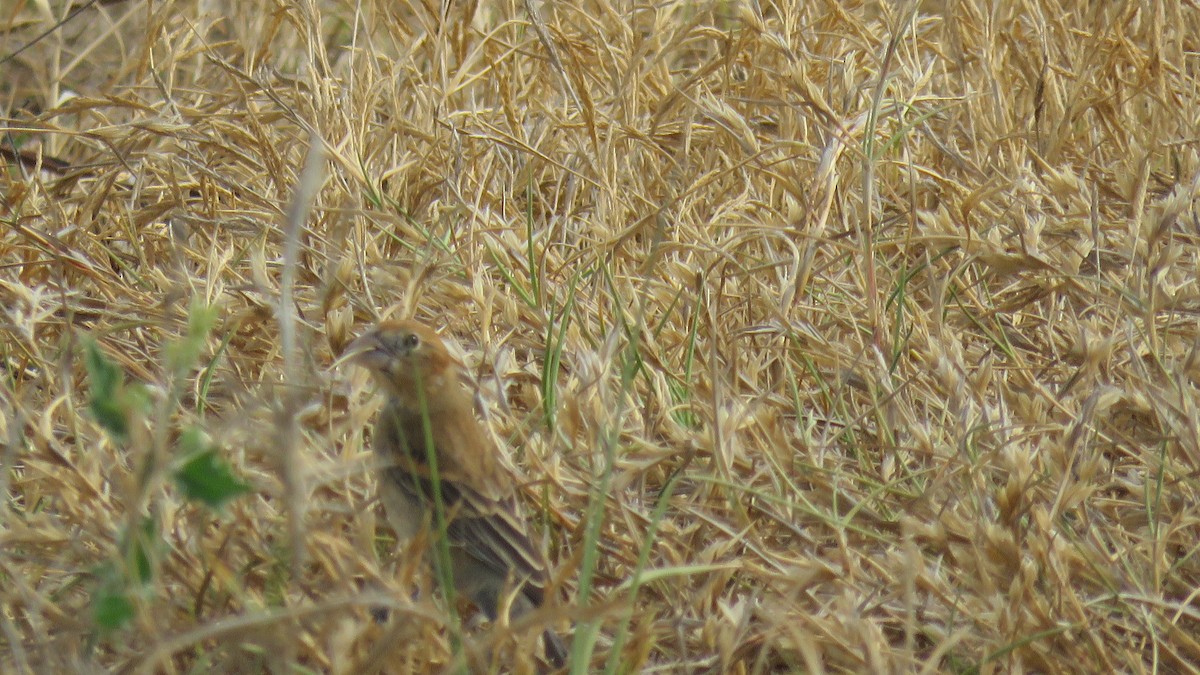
[(828, 336)]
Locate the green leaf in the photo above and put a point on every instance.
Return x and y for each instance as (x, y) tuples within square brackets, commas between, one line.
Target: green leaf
[(112, 416), (193, 441), (142, 549), (205, 477), (182, 354), (107, 404), (106, 377), (112, 610)]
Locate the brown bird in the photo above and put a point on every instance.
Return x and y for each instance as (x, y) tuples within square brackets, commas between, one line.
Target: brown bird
[(491, 555)]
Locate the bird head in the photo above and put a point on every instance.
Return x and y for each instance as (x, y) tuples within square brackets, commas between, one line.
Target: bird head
[(409, 360)]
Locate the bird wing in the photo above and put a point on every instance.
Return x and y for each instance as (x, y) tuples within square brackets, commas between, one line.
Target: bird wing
[(493, 532), (482, 518)]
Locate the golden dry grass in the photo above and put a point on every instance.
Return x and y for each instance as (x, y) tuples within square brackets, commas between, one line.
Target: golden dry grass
[(875, 323)]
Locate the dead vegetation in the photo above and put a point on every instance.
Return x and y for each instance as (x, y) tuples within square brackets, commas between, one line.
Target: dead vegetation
[(846, 337)]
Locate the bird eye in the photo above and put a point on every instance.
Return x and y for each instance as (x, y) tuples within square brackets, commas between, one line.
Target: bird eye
[(411, 341)]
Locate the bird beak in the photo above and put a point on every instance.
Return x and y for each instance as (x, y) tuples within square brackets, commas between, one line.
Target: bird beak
[(364, 351)]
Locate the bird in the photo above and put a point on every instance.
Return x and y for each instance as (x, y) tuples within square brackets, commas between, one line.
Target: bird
[(429, 415)]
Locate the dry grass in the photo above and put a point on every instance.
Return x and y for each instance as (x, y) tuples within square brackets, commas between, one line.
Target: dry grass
[(861, 338)]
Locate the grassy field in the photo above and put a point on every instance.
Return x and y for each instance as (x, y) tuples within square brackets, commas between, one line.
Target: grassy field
[(824, 336)]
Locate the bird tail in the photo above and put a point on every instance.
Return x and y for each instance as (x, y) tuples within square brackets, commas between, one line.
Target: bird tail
[(556, 651)]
